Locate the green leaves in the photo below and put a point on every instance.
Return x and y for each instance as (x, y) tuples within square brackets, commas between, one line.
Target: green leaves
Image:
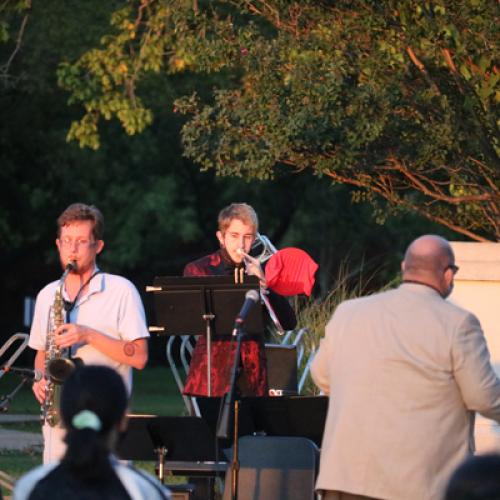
[(395, 98)]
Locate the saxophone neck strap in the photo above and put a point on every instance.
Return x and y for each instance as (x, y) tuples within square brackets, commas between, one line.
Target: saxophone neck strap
[(69, 305)]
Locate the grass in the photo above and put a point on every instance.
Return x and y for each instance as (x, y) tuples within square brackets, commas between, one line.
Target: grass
[(313, 314), (154, 393), (15, 463), (24, 401)]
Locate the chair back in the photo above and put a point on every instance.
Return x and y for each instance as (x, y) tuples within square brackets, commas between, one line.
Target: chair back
[(274, 468), (180, 349)]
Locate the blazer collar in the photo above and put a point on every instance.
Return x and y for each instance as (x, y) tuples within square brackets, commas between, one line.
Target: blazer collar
[(418, 287)]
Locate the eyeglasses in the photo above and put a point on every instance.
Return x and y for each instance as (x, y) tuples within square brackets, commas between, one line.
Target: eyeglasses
[(453, 267), (68, 243)]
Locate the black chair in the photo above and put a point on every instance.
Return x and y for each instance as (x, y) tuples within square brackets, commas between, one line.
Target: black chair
[(274, 468)]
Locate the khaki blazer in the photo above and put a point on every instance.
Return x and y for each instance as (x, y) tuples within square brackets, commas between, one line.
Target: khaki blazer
[(405, 371)]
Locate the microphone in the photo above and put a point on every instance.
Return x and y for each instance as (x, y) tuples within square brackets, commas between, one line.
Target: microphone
[(34, 375), (251, 298)]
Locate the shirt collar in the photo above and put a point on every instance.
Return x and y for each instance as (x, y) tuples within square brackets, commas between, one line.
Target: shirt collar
[(95, 285), (97, 282)]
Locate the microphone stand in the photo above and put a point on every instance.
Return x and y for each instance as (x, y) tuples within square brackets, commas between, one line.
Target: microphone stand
[(224, 414), (24, 337), (6, 400)]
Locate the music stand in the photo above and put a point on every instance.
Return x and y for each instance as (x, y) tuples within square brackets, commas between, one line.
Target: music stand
[(187, 305), (176, 443), (299, 416)]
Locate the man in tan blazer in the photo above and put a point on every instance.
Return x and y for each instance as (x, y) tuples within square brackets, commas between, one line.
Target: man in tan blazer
[(405, 371)]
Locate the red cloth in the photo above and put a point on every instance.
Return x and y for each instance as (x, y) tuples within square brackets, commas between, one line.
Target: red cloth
[(253, 358), (290, 271)]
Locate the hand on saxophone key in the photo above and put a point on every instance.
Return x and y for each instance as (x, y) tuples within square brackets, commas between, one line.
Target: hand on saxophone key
[(69, 334)]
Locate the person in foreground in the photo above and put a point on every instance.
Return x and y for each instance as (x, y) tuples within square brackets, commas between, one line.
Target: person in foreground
[(93, 405), (478, 478), (405, 371), (103, 320), (238, 226)]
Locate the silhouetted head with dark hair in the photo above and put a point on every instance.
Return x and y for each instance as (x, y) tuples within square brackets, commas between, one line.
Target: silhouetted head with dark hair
[(93, 405), (478, 478)]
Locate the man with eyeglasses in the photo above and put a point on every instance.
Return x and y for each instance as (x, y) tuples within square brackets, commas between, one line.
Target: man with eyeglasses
[(406, 371), (104, 316)]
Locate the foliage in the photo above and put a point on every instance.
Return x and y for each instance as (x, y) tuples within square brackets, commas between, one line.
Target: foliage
[(399, 99), (313, 314), (160, 210)]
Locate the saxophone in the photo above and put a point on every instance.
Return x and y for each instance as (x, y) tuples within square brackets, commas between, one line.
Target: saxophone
[(58, 365)]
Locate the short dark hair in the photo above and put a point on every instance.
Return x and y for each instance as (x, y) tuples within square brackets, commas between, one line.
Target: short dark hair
[(82, 212)]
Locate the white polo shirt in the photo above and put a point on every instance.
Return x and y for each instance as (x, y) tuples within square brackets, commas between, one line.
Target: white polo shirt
[(111, 306)]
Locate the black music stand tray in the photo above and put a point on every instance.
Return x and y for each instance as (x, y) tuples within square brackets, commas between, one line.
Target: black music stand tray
[(299, 416), (178, 444), (189, 305)]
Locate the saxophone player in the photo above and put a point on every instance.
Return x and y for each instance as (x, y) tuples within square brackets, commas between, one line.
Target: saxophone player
[(103, 319)]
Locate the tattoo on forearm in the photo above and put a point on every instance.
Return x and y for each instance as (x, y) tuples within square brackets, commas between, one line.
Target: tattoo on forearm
[(129, 349)]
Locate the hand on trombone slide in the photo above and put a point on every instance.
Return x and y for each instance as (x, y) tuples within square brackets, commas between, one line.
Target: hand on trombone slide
[(253, 267)]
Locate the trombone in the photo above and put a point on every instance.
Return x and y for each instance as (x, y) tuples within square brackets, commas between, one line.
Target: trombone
[(264, 249)]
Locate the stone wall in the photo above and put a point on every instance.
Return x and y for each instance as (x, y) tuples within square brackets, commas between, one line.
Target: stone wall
[(477, 289)]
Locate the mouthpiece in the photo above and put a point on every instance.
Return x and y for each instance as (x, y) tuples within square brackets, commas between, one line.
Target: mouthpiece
[(71, 265)]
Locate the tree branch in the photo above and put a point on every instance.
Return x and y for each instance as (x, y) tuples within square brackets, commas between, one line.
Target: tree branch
[(408, 206), (420, 65), (4, 70), (437, 194), (449, 61)]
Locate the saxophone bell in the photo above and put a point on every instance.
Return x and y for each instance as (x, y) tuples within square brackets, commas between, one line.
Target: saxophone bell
[(59, 369)]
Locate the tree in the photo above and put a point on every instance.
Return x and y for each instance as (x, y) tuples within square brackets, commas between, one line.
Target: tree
[(160, 210), (398, 98), (14, 16)]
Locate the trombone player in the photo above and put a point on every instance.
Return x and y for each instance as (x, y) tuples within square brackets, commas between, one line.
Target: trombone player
[(237, 230), (94, 316)]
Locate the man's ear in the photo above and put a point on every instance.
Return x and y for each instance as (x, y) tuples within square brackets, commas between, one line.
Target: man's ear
[(403, 266), (220, 237), (100, 246)]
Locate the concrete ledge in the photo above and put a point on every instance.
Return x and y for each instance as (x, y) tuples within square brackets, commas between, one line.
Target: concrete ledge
[(477, 261), (19, 440), (8, 418)]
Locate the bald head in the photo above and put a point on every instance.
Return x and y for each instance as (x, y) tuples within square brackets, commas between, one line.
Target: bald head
[(426, 254), (427, 259)]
